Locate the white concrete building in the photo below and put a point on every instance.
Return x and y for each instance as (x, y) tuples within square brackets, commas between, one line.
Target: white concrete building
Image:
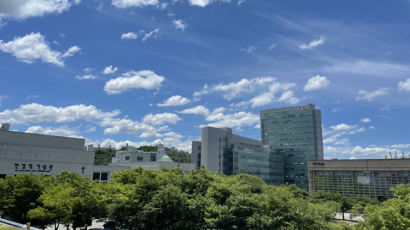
[(29, 153)]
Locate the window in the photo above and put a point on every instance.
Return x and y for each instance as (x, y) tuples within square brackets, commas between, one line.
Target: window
[(96, 176), (140, 158), (127, 158), (104, 176)]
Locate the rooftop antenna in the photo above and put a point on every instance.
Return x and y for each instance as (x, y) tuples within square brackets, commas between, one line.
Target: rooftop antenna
[(395, 155), (391, 156)]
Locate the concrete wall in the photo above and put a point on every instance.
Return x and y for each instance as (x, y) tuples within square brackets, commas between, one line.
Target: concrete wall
[(195, 153), (22, 153)]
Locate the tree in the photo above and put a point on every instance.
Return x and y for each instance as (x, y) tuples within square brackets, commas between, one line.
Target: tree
[(19, 194), (57, 205), (391, 214), (103, 156), (346, 203)]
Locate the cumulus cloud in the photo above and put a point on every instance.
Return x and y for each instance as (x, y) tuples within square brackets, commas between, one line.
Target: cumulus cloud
[(338, 134), (59, 131), (218, 118), (116, 125), (197, 110), (313, 44), (161, 118), (179, 24), (144, 79), (36, 113), (22, 9), (365, 120), (86, 77), (109, 70), (175, 101), (169, 139), (129, 36), (34, 47), (364, 152), (316, 82), (370, 95), (266, 86), (133, 3), (404, 85), (204, 3), (71, 51)]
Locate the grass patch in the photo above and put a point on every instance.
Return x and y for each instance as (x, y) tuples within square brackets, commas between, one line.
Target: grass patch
[(341, 225), (6, 227)]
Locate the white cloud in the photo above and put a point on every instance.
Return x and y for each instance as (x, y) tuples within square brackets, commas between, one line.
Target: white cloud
[(22, 9), (71, 51), (337, 134), (219, 119), (110, 70), (248, 50), (129, 36), (170, 139), (271, 47), (370, 95), (312, 44), (204, 3), (133, 3), (152, 34), (161, 118), (365, 67), (59, 131), (175, 101), (144, 79), (129, 126), (36, 113), (90, 129), (33, 47), (316, 82), (179, 24), (365, 120), (267, 87), (385, 108), (88, 70), (197, 110), (359, 152), (86, 77), (404, 85)]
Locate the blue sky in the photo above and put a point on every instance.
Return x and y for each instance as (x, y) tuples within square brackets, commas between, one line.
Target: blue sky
[(155, 71)]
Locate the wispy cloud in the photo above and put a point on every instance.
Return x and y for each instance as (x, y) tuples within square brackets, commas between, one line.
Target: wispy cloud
[(313, 44)]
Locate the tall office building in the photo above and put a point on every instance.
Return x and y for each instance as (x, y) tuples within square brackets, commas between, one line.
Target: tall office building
[(296, 134)]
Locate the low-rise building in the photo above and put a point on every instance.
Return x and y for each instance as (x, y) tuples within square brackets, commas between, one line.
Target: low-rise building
[(133, 158), (29, 153), (368, 177)]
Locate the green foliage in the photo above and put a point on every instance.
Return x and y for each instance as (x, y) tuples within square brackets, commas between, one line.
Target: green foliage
[(169, 199), (104, 156), (175, 154), (19, 194), (391, 214)]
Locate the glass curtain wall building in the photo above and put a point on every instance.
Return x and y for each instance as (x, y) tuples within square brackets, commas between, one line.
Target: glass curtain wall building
[(369, 177), (295, 133)]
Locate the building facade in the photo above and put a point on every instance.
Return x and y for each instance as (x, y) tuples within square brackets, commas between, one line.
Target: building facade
[(132, 158), (296, 134), (29, 153), (196, 154), (222, 151), (367, 177)]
